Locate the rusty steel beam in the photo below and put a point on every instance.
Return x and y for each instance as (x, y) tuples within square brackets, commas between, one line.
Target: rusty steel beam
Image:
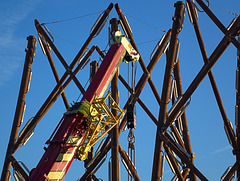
[(185, 132), (114, 132), (54, 70), (142, 81), (173, 162), (178, 137), (185, 173), (128, 32), (231, 172), (128, 163), (129, 35), (96, 161), (218, 22), (155, 92), (210, 75), (157, 158), (166, 138), (18, 168), (93, 70), (30, 51), (57, 91), (49, 101), (44, 35), (237, 115), (222, 46), (145, 108)]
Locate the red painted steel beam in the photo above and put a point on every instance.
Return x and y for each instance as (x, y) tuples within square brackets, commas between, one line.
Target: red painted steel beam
[(140, 85), (71, 123)]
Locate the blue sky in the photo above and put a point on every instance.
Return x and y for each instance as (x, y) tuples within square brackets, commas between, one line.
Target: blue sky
[(146, 19)]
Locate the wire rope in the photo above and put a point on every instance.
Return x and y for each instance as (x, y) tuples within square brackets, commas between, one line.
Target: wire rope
[(148, 24), (70, 19)]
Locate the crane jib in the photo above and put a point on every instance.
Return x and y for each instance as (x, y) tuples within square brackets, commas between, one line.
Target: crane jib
[(59, 155)]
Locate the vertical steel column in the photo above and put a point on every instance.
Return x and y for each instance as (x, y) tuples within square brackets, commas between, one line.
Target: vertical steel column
[(93, 70), (157, 159), (114, 132), (30, 51), (237, 121)]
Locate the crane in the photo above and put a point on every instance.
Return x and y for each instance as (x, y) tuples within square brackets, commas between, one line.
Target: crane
[(88, 120)]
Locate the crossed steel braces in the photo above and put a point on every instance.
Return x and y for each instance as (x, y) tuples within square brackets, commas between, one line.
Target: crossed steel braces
[(180, 146)]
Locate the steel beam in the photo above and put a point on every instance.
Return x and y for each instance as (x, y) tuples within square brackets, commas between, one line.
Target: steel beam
[(44, 35), (30, 51), (18, 168), (184, 175), (141, 83), (237, 113), (145, 108), (54, 70), (184, 159), (128, 32), (128, 163), (217, 22), (96, 161), (231, 172), (173, 162), (49, 101), (155, 92), (210, 75), (93, 70), (222, 46), (157, 159), (185, 132), (114, 132), (57, 91)]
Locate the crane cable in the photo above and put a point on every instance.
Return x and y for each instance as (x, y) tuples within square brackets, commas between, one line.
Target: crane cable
[(131, 150)]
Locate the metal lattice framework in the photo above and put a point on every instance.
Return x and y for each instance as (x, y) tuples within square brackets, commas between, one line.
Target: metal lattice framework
[(174, 144)]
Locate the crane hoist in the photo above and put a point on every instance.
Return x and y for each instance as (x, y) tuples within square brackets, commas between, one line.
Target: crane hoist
[(86, 121)]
